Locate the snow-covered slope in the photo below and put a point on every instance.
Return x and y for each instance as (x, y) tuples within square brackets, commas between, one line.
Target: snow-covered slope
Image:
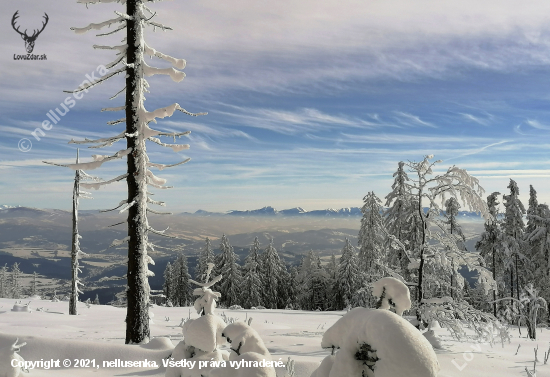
[(98, 333)]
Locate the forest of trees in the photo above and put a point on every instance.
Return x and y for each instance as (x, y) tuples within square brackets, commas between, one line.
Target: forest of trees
[(413, 238)]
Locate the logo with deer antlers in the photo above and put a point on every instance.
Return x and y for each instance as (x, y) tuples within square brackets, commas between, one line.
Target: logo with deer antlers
[(29, 39)]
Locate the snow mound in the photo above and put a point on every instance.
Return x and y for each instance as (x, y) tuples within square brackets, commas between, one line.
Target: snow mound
[(245, 339), (38, 348), (204, 333), (433, 339), (230, 371), (21, 308), (397, 347), (391, 290)]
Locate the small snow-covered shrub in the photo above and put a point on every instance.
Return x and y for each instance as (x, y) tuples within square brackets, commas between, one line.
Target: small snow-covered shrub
[(7, 354), (18, 307), (247, 346), (376, 343), (236, 307), (392, 293)]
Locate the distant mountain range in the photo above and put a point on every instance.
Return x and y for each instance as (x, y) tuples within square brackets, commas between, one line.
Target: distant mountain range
[(19, 211), (299, 211)]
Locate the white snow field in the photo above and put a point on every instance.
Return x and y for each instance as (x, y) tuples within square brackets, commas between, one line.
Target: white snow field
[(98, 332)]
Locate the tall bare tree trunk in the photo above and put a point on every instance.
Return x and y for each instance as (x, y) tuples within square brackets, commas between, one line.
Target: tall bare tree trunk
[(495, 279), (137, 315), (74, 248)]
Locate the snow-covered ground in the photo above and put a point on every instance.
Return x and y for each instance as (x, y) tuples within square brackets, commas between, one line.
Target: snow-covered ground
[(98, 333)]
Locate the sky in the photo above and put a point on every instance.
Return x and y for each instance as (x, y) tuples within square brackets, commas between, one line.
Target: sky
[(310, 103)]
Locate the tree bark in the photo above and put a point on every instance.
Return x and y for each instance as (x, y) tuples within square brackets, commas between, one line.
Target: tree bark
[(137, 315)]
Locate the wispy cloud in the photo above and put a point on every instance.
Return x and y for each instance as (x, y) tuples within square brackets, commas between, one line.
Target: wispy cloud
[(412, 120)]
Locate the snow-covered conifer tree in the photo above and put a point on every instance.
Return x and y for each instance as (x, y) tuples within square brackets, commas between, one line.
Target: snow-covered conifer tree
[(15, 281), (34, 292), (533, 209), (252, 284), (181, 293), (167, 287), (347, 275), (398, 218), (206, 256), (371, 237), (284, 286), (271, 264), (513, 237), (4, 281), (489, 246), (231, 285), (539, 243), (96, 300), (131, 62)]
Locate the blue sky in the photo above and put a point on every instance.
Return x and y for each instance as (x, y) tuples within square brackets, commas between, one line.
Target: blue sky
[(311, 103)]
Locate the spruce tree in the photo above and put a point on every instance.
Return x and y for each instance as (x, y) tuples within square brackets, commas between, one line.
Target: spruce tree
[(371, 236), (230, 287), (15, 281), (252, 284), (139, 177), (347, 275), (513, 237), (34, 291), (205, 256), (4, 281), (167, 287), (490, 248), (96, 300), (397, 220), (271, 265), (180, 278)]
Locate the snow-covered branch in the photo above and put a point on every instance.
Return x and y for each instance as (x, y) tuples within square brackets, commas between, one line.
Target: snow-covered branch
[(149, 71), (97, 186), (98, 161), (175, 147), (99, 26), (163, 166), (108, 141), (178, 63), (120, 108)]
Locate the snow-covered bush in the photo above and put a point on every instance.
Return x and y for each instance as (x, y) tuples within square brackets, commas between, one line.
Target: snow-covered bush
[(19, 307), (392, 293), (376, 343), (455, 315), (247, 346), (236, 307), (7, 354)]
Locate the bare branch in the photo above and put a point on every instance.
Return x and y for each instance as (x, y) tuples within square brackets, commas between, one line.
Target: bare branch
[(159, 213), (122, 222), (113, 122), (117, 207), (121, 27), (160, 26), (116, 95), (98, 81), (120, 108)]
